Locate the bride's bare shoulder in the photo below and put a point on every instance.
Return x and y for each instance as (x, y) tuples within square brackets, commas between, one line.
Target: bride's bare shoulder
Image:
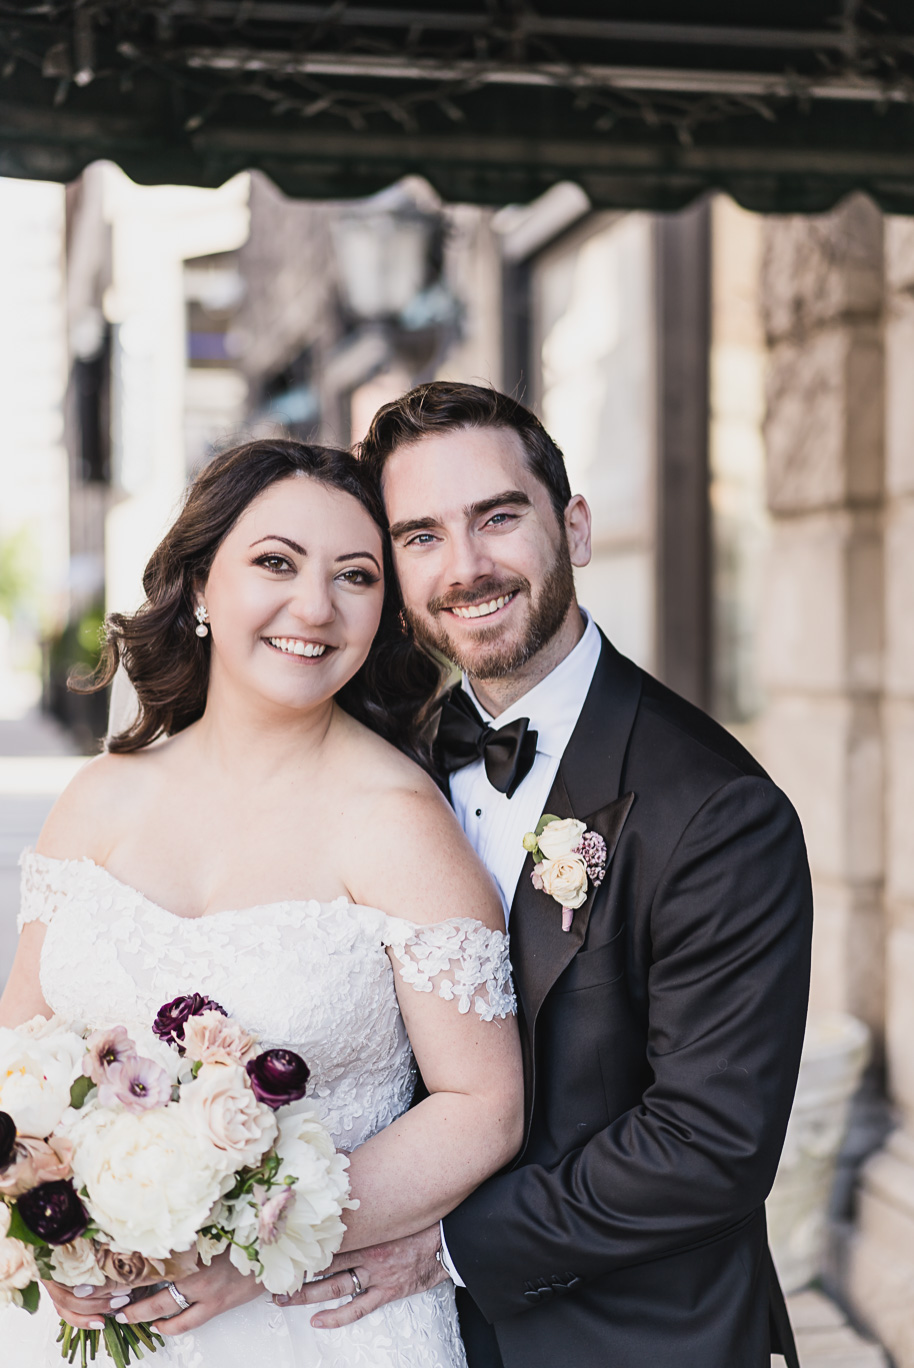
[(102, 798)]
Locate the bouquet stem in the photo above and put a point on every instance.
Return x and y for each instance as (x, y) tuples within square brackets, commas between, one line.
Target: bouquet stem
[(120, 1341)]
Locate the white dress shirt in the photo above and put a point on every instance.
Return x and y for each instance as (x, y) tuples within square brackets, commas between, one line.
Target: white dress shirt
[(495, 823)]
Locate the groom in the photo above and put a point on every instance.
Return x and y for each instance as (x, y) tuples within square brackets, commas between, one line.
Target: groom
[(662, 1032)]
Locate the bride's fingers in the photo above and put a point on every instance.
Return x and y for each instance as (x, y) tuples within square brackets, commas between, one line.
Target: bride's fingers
[(350, 1311), (151, 1308)]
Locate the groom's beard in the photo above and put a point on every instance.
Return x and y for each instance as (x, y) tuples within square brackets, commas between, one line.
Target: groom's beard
[(491, 657)]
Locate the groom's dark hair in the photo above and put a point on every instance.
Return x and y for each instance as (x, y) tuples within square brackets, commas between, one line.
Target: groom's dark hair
[(446, 406)]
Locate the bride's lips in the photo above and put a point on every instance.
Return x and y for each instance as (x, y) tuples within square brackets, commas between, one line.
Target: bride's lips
[(299, 648), (482, 610)]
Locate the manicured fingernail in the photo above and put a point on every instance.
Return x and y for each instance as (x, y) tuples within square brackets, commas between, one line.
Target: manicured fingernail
[(84, 1290), (96, 1325), (121, 1318), (118, 1302), (281, 1299)]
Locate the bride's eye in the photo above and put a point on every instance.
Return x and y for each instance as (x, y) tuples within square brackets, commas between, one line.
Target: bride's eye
[(274, 562), (356, 575)]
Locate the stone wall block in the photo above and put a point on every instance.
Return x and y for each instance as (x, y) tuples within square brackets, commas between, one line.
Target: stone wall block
[(899, 753), (821, 625), (879, 1280), (818, 269), (899, 393), (825, 753), (824, 420), (848, 952), (899, 1023), (899, 568), (899, 252)]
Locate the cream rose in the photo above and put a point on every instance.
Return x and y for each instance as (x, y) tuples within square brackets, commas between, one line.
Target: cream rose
[(151, 1180), (220, 1106), (559, 838), (17, 1270), (5, 1218), (76, 1265), (564, 879), (35, 1079), (34, 1162), (214, 1039)]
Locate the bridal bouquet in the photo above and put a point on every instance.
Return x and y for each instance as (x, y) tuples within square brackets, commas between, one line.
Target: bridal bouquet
[(133, 1157)]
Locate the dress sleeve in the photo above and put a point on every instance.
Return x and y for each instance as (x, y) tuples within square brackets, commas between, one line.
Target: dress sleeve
[(41, 888), (461, 960)]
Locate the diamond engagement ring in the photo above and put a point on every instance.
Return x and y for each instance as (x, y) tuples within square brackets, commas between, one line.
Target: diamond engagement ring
[(178, 1296), (356, 1284)]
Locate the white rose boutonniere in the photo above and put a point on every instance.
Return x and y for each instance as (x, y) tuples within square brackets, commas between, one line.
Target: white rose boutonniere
[(569, 858)]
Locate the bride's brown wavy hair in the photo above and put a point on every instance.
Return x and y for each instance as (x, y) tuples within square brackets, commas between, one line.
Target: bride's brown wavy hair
[(168, 664)]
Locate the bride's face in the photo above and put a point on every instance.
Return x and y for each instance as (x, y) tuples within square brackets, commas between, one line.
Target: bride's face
[(294, 595)]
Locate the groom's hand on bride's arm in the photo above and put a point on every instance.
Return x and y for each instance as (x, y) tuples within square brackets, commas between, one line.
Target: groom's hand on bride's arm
[(386, 1272)]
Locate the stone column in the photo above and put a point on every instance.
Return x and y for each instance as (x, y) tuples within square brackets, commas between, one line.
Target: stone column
[(880, 1254), (821, 652)]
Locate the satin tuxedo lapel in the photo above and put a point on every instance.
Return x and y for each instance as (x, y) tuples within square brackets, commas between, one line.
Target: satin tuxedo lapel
[(587, 787)]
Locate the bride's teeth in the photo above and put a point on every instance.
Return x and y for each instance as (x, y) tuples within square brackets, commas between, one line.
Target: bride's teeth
[(292, 646)]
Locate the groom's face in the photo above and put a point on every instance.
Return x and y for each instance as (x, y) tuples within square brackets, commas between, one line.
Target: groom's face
[(481, 555)]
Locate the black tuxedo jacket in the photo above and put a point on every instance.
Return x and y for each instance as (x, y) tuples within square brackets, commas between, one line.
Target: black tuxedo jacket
[(662, 1040)]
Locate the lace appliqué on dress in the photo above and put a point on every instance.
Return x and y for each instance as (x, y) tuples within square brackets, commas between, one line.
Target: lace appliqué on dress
[(462, 959), (43, 887)]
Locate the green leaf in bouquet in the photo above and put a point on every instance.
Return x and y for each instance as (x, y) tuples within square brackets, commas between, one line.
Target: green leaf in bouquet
[(79, 1091), (113, 1343), (19, 1231), (196, 1067), (543, 822), (30, 1297)]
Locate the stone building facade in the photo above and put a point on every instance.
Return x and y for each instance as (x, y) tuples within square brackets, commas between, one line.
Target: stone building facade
[(838, 658)]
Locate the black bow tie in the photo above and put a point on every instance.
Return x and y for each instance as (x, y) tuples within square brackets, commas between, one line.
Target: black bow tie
[(463, 737)]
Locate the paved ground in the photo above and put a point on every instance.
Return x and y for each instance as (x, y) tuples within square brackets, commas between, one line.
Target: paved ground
[(824, 1338)]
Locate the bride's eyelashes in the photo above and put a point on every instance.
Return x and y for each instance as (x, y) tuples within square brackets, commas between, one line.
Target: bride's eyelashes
[(274, 562)]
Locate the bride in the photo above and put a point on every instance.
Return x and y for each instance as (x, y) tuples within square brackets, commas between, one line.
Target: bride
[(263, 833)]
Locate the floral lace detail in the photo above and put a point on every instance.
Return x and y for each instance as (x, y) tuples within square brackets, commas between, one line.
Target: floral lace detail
[(43, 887), (313, 976), (474, 958)]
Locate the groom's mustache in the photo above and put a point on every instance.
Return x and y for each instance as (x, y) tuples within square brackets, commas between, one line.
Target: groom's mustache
[(482, 593)]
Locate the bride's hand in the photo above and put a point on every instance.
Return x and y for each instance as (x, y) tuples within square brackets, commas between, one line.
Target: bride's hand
[(209, 1291), (86, 1312)]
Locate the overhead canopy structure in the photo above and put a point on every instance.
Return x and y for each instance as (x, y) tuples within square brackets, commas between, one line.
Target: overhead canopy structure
[(788, 106)]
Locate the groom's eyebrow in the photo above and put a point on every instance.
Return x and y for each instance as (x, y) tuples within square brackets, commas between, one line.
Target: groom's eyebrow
[(515, 498)]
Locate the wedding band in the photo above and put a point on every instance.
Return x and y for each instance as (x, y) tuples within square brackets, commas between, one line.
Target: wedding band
[(178, 1296), (356, 1285)]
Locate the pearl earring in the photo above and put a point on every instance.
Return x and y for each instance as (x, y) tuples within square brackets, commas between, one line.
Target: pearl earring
[(202, 617)]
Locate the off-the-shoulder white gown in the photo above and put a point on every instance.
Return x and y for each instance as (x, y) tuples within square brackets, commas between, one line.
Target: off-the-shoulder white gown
[(314, 977)]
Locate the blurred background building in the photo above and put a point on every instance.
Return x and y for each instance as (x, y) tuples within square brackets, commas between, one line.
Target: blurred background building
[(732, 394)]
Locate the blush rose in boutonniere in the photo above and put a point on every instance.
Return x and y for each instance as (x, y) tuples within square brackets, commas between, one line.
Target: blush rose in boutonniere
[(569, 859)]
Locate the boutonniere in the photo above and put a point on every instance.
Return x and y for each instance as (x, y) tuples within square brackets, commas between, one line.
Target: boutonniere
[(567, 855)]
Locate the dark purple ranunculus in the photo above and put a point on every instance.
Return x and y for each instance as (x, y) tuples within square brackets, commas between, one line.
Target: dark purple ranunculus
[(54, 1211), (7, 1139), (278, 1077), (172, 1018)]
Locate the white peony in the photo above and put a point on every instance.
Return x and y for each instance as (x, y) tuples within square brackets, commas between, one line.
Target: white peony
[(151, 1180), (560, 837), (5, 1218), (35, 1078), (221, 1106), (17, 1270), (308, 1231), (75, 1264)]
